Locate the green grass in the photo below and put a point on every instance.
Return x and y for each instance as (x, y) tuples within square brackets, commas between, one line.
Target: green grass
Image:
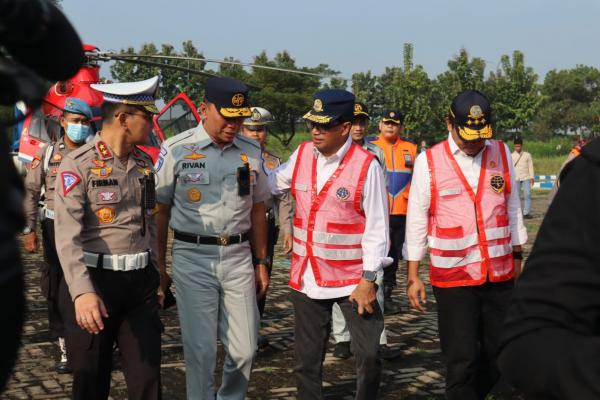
[(278, 149), (548, 165)]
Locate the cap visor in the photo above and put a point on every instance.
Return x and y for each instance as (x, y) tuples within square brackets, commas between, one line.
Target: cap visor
[(235, 112), (469, 134), (318, 119), (255, 127), (361, 114), (396, 121)]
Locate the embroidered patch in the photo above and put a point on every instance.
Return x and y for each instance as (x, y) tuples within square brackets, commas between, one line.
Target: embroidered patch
[(101, 172), (196, 177), (35, 163), (53, 171), (57, 157), (342, 193), (492, 164), (144, 171), (244, 157), (497, 183), (194, 156), (107, 196), (103, 149), (106, 215), (99, 163), (69, 181), (194, 195)]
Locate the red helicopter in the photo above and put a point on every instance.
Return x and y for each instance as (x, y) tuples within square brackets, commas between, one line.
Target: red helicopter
[(41, 126)]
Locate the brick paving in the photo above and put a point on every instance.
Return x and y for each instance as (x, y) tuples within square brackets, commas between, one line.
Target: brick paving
[(417, 373)]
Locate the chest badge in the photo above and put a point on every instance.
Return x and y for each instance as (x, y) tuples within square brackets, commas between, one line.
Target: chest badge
[(107, 196), (194, 195), (57, 157), (244, 157), (492, 164), (144, 171), (342, 193), (497, 183), (99, 163), (106, 215), (101, 172)]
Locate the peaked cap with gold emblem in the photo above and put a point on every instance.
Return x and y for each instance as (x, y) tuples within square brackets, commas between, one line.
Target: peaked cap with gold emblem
[(472, 115), (361, 110), (229, 95), (331, 105), (392, 116), (141, 93)]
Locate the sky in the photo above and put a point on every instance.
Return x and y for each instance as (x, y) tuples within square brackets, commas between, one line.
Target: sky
[(352, 36)]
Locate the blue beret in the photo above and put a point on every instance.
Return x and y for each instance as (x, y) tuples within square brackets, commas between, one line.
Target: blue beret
[(77, 106)]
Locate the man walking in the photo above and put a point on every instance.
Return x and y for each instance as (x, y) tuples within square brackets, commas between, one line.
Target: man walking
[(525, 177)]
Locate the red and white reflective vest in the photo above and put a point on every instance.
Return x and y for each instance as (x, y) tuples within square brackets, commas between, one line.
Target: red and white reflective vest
[(469, 234), (328, 225)]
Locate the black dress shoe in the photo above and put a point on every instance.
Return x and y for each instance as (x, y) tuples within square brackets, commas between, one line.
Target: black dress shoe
[(62, 368), (388, 353), (527, 216), (390, 307), (342, 350), (262, 342)]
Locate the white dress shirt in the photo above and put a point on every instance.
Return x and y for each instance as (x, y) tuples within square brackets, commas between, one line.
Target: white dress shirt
[(375, 240), (419, 200)]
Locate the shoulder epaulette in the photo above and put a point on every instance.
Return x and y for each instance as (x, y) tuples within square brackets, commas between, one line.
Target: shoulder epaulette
[(170, 142), (82, 150)]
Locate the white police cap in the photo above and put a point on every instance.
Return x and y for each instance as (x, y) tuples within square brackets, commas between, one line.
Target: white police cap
[(140, 93)]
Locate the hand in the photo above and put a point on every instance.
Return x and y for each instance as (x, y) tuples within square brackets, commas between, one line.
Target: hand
[(165, 283), (415, 290), (364, 295), (288, 243), (89, 310), (532, 182), (30, 242), (262, 280), (518, 268)]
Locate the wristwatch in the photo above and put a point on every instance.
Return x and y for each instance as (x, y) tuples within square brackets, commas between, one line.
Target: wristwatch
[(257, 261), (370, 276), (27, 230)]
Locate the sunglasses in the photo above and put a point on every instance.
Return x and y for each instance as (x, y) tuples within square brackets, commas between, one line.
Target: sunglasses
[(322, 127)]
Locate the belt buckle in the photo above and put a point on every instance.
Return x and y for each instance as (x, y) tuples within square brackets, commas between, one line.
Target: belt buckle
[(222, 239)]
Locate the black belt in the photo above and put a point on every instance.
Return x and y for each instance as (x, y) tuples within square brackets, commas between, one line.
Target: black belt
[(221, 240)]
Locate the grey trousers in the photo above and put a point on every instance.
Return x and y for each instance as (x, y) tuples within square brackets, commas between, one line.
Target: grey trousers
[(216, 298), (339, 327)]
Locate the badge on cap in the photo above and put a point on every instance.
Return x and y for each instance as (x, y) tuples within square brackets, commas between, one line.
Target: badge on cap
[(357, 108), (255, 115), (342, 193), (106, 215), (475, 112), (237, 100), (69, 181), (194, 195), (497, 183), (392, 115), (318, 105)]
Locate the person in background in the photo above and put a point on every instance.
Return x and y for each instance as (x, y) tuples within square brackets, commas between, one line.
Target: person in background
[(523, 165)]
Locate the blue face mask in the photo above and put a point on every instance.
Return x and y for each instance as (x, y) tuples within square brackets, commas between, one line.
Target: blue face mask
[(77, 132)]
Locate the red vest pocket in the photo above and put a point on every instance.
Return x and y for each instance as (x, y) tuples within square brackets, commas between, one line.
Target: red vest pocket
[(449, 233), (334, 227)]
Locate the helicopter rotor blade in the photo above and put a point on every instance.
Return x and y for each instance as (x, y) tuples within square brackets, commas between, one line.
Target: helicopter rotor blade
[(208, 60)]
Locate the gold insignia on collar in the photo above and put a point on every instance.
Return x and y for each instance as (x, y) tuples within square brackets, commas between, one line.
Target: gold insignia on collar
[(237, 100), (475, 112), (144, 171), (318, 105)]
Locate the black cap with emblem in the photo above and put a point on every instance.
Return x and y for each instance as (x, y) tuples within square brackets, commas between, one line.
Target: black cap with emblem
[(392, 116), (472, 115), (229, 95), (331, 105), (361, 111)]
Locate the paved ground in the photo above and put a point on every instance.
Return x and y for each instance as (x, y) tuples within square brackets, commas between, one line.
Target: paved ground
[(418, 373)]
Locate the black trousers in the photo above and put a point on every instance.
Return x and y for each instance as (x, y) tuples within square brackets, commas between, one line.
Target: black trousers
[(397, 231), (51, 275), (133, 322), (272, 236), (313, 325), (470, 319), (12, 296)]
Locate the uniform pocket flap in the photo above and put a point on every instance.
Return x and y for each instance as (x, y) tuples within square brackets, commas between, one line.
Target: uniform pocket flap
[(454, 232)]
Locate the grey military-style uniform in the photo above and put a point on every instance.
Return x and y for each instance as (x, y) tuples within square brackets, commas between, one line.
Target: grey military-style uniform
[(216, 294)]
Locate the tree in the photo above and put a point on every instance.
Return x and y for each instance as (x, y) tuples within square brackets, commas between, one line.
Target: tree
[(514, 94), (288, 96)]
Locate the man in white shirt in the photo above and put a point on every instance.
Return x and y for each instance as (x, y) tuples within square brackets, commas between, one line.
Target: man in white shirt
[(341, 242), (525, 177), (463, 206)]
